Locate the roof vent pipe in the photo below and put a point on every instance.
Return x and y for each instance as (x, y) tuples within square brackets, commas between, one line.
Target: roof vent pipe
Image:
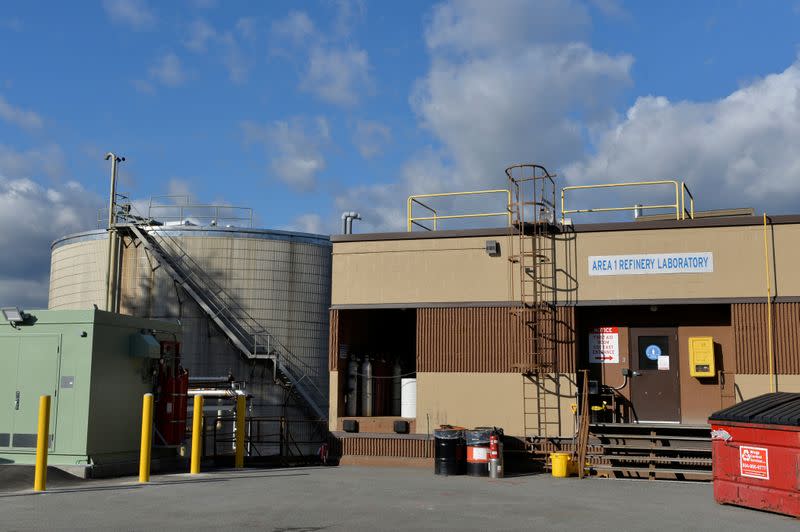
[(347, 221)]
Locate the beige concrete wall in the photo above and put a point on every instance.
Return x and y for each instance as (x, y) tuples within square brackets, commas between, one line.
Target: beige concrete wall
[(485, 399), (749, 386), (458, 269), (333, 400), (430, 270)]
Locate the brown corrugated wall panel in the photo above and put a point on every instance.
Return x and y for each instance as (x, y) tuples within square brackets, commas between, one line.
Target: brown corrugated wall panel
[(566, 340), (394, 447), (333, 341), (751, 337), (484, 340)]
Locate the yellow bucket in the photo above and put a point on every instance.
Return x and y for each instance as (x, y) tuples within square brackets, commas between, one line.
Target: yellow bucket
[(560, 463)]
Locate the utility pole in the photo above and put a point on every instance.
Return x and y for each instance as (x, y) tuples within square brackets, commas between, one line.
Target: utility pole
[(112, 273)]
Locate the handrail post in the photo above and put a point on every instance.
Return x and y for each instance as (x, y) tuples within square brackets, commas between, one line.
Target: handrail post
[(409, 214), (42, 443)]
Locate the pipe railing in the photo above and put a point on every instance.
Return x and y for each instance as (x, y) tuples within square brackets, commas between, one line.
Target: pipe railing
[(412, 220), (681, 191)]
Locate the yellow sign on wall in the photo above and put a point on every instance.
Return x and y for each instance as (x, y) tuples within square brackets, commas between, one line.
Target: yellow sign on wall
[(701, 356)]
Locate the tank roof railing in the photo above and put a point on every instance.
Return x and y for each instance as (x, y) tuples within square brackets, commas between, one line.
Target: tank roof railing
[(180, 210)]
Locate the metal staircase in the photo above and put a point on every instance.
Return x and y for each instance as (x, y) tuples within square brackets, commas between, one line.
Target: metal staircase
[(533, 213), (243, 331), (651, 450)]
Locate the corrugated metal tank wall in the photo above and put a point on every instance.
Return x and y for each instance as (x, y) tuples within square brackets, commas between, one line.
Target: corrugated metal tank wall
[(282, 279)]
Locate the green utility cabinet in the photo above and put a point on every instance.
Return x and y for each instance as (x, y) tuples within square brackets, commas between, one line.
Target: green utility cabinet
[(96, 366)]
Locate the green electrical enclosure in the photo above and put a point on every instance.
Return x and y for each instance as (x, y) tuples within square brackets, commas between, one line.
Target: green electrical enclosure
[(96, 365)]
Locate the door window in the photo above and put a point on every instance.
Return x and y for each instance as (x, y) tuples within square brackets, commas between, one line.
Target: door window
[(650, 348)]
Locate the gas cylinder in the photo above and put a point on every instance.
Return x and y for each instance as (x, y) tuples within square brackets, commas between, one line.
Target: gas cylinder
[(366, 391), (352, 386)]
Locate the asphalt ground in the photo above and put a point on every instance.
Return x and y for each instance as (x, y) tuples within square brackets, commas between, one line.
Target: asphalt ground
[(361, 498)]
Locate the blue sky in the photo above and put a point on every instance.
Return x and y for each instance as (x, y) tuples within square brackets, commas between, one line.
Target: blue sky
[(301, 110)]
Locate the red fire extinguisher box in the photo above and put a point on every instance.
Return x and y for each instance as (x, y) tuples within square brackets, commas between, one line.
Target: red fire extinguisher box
[(756, 453)]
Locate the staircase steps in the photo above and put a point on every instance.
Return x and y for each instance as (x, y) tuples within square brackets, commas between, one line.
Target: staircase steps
[(244, 332), (651, 451)]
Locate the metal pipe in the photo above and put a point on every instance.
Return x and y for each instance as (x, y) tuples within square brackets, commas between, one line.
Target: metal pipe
[(215, 393), (771, 354), (111, 270)]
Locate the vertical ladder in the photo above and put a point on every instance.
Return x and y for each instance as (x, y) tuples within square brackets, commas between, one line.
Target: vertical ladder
[(533, 212)]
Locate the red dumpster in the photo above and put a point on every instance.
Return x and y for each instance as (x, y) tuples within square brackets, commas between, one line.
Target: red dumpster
[(756, 453)]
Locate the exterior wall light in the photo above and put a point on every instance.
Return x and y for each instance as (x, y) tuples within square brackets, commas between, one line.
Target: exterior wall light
[(13, 315)]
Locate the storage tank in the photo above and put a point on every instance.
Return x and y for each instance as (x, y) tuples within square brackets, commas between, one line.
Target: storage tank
[(280, 278)]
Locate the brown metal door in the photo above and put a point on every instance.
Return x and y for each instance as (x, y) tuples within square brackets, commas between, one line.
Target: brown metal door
[(655, 384)]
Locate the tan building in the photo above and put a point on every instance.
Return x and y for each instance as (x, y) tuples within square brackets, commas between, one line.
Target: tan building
[(644, 306)]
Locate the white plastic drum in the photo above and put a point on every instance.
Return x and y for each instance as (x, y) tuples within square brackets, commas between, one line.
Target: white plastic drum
[(408, 397)]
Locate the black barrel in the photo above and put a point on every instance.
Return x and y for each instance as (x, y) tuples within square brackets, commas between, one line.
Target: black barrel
[(477, 441), (451, 455)]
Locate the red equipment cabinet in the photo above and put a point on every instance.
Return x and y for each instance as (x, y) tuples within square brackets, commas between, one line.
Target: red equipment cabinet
[(171, 396), (756, 453)]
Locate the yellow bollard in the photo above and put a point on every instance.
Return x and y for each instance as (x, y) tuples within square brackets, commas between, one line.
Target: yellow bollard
[(240, 412), (197, 434), (42, 443), (147, 438)]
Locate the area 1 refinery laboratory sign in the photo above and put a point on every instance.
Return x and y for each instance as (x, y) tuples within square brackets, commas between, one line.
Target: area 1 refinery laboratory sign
[(604, 345), (652, 263)]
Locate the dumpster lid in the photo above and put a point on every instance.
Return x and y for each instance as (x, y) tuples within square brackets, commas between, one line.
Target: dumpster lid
[(780, 408)]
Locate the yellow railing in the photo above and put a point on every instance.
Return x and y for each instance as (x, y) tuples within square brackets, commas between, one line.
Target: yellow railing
[(412, 220), (681, 191)]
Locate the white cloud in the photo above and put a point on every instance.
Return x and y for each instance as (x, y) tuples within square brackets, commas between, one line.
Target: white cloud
[(612, 9), (370, 137), (295, 148), (20, 117), (296, 28), (735, 150), (134, 13), (200, 33), (338, 76), (202, 36), (349, 13), (246, 27), (307, 223), (38, 214), (168, 71), (47, 160), (508, 82), (179, 187)]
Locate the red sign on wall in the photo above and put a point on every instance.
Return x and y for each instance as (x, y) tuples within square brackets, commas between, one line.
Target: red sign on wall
[(754, 462)]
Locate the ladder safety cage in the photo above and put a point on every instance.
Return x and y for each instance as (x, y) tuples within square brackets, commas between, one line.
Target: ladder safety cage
[(533, 220), (435, 217)]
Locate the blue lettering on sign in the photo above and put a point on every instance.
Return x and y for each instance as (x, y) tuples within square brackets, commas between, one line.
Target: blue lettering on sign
[(655, 263), (653, 352)]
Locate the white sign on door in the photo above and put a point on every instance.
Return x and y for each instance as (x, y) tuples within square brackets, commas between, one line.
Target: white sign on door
[(604, 345)]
